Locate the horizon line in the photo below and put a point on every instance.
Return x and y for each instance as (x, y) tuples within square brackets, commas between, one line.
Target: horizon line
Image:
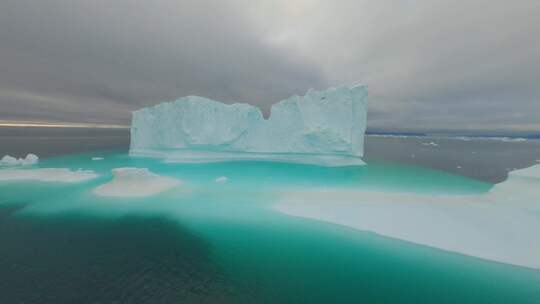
[(375, 130), (27, 124)]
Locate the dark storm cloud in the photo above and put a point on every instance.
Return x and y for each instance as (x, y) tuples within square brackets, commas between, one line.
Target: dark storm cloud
[(436, 64), (429, 64), (94, 61)]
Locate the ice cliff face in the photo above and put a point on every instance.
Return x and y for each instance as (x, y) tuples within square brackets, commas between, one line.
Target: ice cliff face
[(322, 127)]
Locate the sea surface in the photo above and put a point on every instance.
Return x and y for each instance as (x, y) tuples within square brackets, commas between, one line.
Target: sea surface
[(208, 242)]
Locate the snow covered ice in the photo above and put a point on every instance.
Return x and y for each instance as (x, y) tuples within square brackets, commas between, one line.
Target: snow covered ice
[(135, 182), (30, 159), (59, 175), (499, 225), (322, 127), (8, 160)]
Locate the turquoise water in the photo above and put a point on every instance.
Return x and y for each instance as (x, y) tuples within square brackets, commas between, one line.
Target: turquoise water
[(206, 242)]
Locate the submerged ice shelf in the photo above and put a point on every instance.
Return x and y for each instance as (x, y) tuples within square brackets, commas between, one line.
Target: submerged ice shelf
[(321, 127), (500, 225), (135, 182), (496, 223)]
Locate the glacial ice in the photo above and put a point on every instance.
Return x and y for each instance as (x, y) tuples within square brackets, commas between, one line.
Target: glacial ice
[(8, 160), (500, 225), (60, 175), (135, 182), (321, 127), (30, 159)]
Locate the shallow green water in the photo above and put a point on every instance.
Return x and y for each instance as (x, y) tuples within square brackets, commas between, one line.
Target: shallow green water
[(206, 242)]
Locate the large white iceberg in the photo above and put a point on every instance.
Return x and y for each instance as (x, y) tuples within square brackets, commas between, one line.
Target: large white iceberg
[(322, 127)]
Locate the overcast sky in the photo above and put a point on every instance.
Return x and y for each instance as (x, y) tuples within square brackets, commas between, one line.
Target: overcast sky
[(429, 65)]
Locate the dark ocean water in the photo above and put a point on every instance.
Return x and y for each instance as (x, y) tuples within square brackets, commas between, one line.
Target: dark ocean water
[(46, 142), (221, 249), (483, 159), (81, 259)]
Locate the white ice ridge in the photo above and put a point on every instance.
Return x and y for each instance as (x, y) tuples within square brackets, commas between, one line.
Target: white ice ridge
[(61, 175), (322, 127), (135, 182), (30, 159), (501, 225)]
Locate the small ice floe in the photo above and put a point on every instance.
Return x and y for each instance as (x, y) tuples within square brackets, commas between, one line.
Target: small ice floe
[(459, 167), (135, 182), (413, 156), (30, 159), (515, 139), (61, 175), (222, 179), (9, 161), (433, 144), (97, 158)]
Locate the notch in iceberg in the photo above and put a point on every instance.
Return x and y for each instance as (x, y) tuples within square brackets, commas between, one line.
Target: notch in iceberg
[(322, 127)]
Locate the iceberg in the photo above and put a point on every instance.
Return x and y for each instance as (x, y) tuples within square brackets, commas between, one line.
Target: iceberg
[(9, 160), (322, 127), (29, 160)]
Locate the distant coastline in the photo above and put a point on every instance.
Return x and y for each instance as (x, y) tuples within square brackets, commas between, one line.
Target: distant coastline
[(454, 135), (476, 135)]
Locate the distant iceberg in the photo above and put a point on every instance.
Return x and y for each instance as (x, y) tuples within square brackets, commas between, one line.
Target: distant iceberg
[(29, 160), (322, 127)]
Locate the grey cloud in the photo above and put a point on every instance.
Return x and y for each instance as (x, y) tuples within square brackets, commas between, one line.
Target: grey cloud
[(429, 64), (444, 62), (95, 61)]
